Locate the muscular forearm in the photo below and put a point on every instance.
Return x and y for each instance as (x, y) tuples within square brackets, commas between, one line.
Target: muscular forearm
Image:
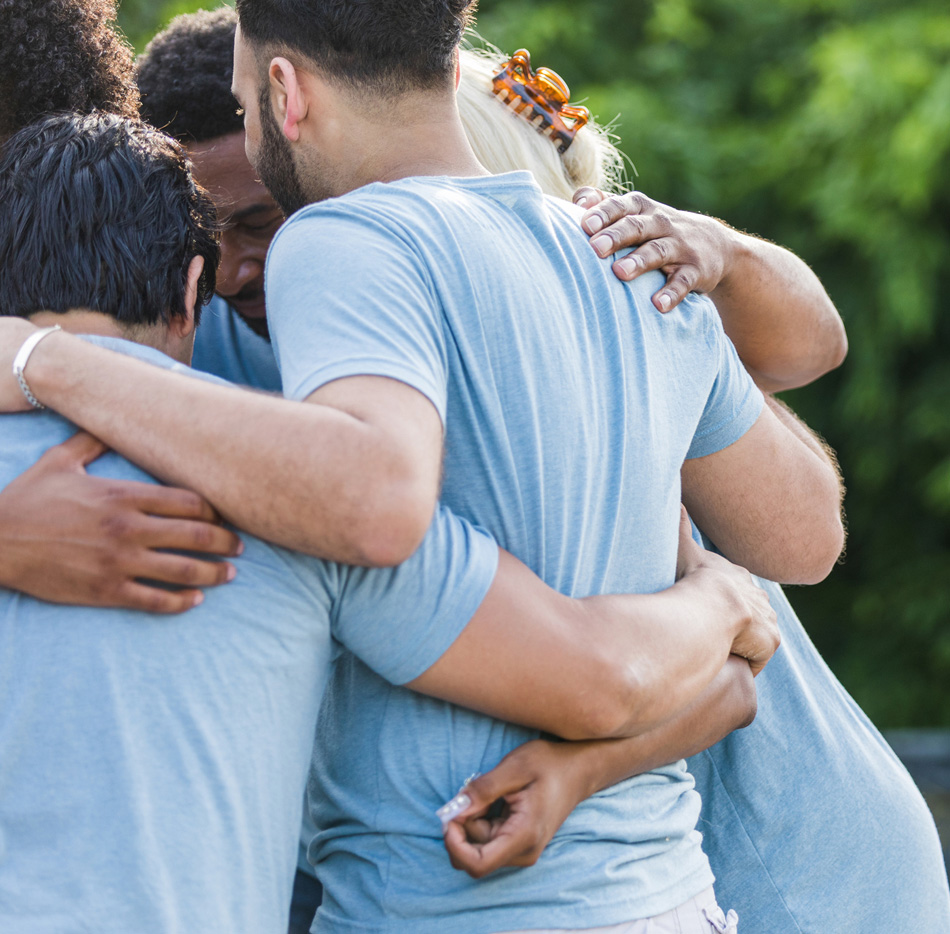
[(306, 476), (777, 313), (540, 783), (727, 704), (601, 667)]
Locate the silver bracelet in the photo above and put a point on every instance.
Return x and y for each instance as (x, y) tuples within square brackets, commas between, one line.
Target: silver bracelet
[(23, 357)]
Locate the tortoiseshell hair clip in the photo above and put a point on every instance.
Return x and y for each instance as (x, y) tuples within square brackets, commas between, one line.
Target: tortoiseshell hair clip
[(540, 97)]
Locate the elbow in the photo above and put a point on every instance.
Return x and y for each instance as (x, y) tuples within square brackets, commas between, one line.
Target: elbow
[(834, 351), (838, 348), (824, 537), (389, 525), (827, 554), (820, 549), (612, 708)]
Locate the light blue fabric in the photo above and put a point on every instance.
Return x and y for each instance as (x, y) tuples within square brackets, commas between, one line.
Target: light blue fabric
[(810, 821), (228, 348), (569, 405), (783, 812), (152, 768)]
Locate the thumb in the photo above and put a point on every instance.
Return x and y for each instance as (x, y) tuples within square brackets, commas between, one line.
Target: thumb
[(76, 453), (509, 776)]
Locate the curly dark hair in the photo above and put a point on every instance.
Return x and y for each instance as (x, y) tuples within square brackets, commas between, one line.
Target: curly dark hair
[(384, 46), (62, 55), (101, 212), (184, 76)]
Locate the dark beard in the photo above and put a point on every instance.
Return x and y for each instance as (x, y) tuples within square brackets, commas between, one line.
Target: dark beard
[(275, 164)]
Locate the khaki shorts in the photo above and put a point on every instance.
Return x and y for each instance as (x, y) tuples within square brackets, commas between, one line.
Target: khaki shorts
[(700, 915)]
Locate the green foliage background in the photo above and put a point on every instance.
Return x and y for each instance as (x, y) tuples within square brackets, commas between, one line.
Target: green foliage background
[(823, 125)]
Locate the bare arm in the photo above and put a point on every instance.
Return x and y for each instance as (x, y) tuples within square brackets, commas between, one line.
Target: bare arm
[(771, 501), (68, 537), (355, 483), (509, 815), (605, 666), (773, 307)]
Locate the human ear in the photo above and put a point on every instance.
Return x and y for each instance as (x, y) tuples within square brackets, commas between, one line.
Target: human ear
[(287, 97), (183, 325)]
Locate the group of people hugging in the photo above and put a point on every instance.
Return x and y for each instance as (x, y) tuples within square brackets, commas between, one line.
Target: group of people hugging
[(393, 510)]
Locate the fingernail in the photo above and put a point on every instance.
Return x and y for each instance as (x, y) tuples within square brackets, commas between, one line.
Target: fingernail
[(199, 599), (583, 200), (240, 547), (628, 265), (595, 222), (232, 573), (602, 245), (449, 811), (665, 302)]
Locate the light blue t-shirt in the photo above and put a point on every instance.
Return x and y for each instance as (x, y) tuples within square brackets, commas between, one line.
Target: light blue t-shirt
[(810, 792), (227, 347), (810, 821), (152, 768), (569, 406)]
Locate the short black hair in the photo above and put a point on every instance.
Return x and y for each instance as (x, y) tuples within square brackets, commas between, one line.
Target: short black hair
[(184, 77), (386, 46), (62, 55), (101, 212)]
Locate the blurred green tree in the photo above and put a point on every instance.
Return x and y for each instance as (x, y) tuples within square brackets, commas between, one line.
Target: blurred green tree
[(823, 125)]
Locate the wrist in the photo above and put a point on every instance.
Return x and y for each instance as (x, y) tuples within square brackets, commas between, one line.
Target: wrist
[(735, 249), (22, 359), (716, 597), (42, 371), (583, 766)]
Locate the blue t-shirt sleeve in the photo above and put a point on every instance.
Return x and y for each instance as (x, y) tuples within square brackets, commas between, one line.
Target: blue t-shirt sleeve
[(401, 620), (734, 403), (347, 295)]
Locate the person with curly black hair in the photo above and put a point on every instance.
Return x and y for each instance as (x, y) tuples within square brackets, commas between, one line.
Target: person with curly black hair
[(184, 76), (62, 55)]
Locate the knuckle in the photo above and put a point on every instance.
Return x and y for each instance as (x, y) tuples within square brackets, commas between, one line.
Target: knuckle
[(614, 207), (636, 201), (156, 601), (193, 503), (117, 526), (681, 280), (661, 249), (115, 493), (203, 535), (631, 227), (101, 590), (190, 573)]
